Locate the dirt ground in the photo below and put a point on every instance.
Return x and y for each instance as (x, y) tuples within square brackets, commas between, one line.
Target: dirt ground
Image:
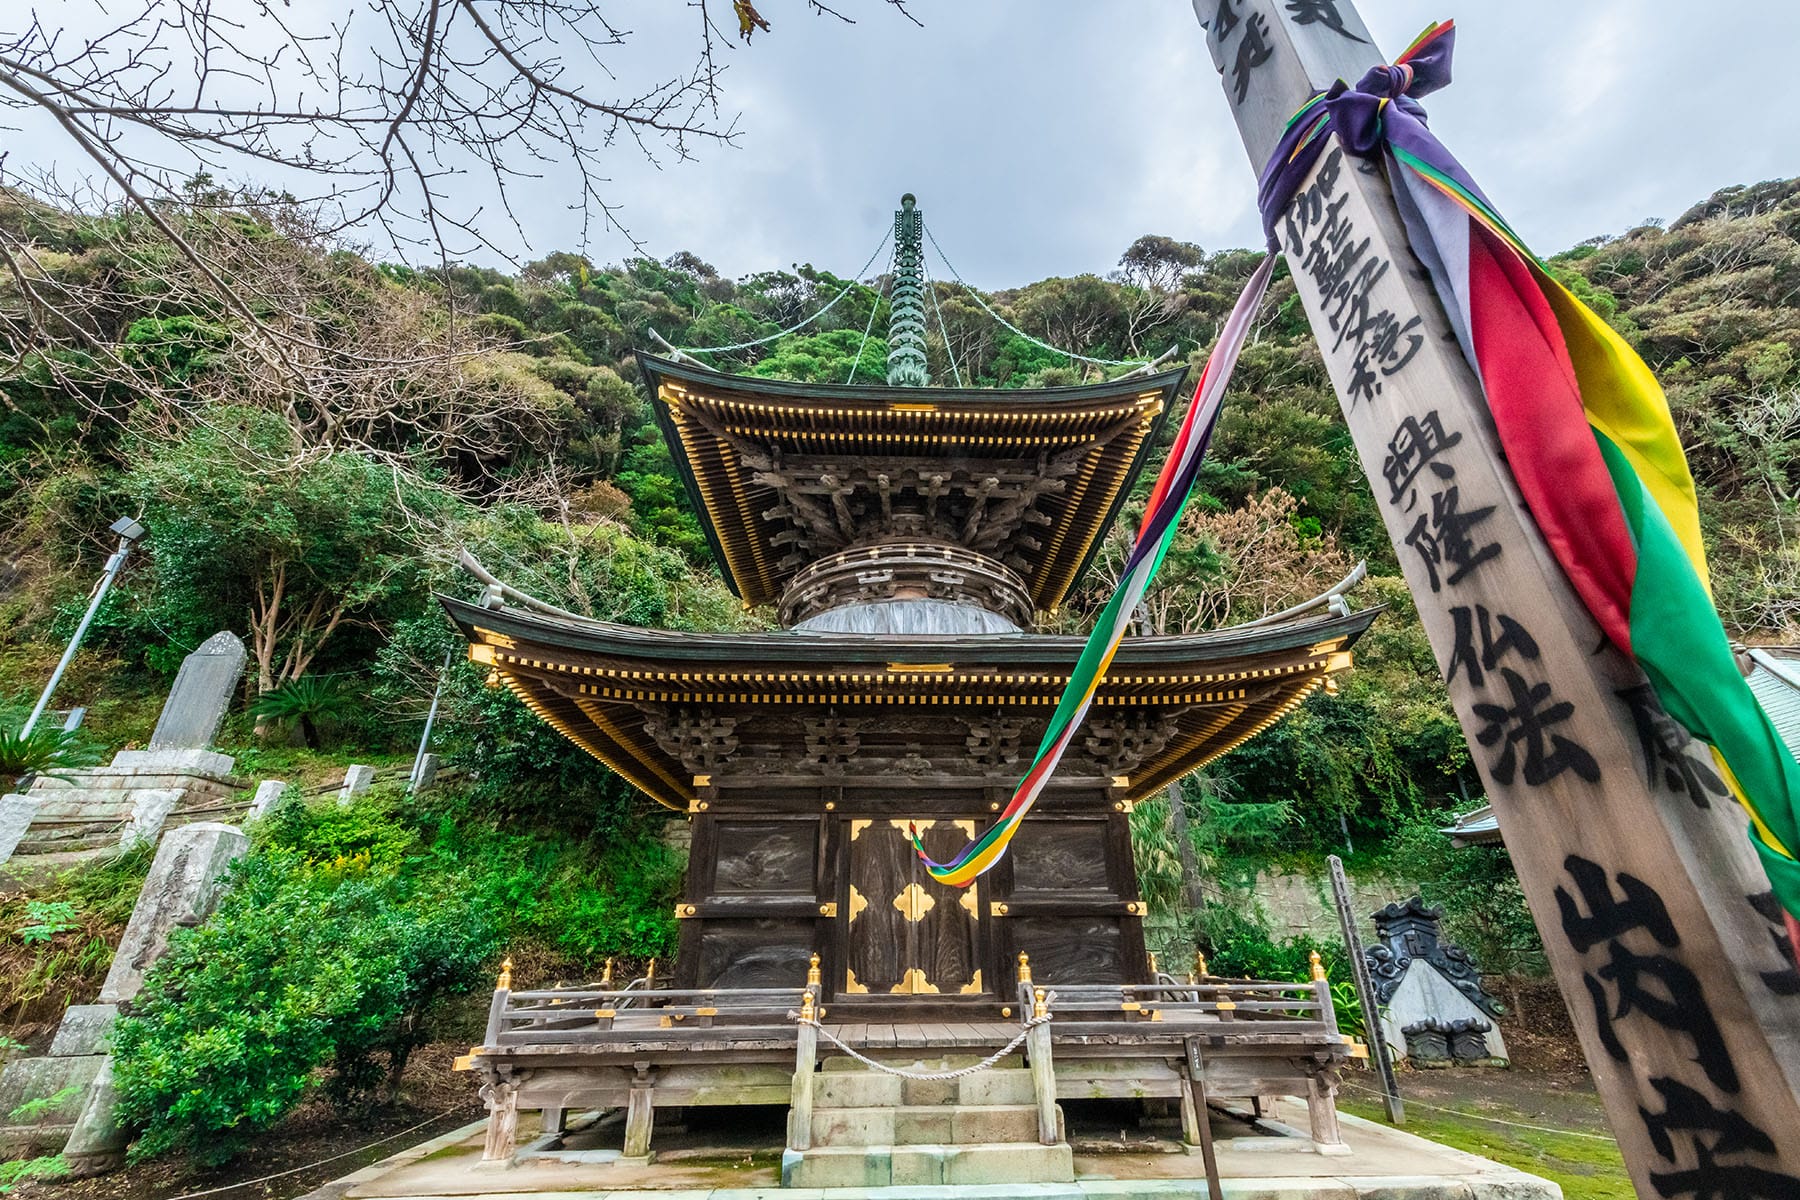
[(433, 1100)]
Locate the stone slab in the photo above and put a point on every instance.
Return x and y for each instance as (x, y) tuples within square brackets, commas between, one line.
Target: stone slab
[(203, 688), (183, 885), (28, 1079), (176, 762), (150, 807), (356, 781), (16, 813), (268, 792), (83, 1029)]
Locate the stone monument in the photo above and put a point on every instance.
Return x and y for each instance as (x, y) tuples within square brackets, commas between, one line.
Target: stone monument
[(179, 778), (182, 888), (1429, 990)]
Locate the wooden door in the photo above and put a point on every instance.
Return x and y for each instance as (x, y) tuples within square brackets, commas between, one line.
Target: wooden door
[(903, 933)]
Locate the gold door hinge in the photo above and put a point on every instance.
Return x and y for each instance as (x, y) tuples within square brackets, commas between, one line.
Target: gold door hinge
[(997, 909), (685, 910), (828, 909)]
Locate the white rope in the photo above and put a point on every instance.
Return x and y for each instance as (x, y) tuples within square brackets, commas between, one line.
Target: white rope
[(873, 309), (943, 330), (855, 282), (1042, 345), (232, 1187), (1457, 1112), (983, 1065)]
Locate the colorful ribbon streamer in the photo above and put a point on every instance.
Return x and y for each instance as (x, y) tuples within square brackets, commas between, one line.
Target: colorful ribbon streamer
[(1161, 517), (1585, 427), (1587, 434)]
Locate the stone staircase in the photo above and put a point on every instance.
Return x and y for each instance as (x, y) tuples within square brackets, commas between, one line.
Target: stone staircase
[(872, 1129)]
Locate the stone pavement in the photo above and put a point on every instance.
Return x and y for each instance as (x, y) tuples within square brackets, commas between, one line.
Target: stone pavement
[(1384, 1164)]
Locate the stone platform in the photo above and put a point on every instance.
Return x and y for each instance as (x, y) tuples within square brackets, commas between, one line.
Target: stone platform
[(98, 807), (1268, 1160)]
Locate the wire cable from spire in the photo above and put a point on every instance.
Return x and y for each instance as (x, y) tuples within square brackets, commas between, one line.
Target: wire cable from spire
[(855, 282), (856, 363), (1039, 343), (943, 329)]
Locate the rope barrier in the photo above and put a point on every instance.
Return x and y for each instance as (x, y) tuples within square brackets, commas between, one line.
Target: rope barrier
[(983, 1065), (232, 1187), (1040, 344), (1457, 1112), (855, 282)]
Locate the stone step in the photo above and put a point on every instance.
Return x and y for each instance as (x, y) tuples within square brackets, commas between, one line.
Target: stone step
[(927, 1124), (912, 1060), (1001, 1085), (927, 1166)]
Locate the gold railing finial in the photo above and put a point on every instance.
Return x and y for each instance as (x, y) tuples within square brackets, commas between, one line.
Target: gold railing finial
[(1200, 965), (1040, 1004), (504, 983), (606, 976), (806, 1006), (1318, 967), (1024, 967), (1154, 969), (650, 972), (813, 977)]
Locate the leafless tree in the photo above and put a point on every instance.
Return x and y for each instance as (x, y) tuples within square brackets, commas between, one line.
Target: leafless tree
[(415, 121)]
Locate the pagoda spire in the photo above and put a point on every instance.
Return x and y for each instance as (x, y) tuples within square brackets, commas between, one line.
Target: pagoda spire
[(906, 322)]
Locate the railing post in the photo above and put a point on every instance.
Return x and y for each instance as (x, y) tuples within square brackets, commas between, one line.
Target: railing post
[(497, 1009), (806, 1061), (1322, 993), (1043, 1071)]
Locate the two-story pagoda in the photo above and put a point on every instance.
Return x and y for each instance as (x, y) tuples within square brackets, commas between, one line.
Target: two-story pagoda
[(907, 536)]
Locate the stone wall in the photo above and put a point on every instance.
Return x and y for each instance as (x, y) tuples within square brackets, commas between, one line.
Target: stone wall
[(1298, 904)]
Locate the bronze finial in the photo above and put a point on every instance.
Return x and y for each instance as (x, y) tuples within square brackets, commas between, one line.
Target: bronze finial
[(606, 976), (806, 1006), (1024, 967), (1154, 969), (1200, 965), (1040, 1004), (650, 971), (1318, 967), (504, 983), (813, 978)]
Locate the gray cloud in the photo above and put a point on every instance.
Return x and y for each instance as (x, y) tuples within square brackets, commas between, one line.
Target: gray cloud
[(1042, 136)]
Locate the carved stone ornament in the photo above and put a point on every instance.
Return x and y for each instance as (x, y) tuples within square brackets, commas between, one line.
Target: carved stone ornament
[(1408, 930)]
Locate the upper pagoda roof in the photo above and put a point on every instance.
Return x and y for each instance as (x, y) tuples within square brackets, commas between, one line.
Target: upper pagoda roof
[(784, 474)]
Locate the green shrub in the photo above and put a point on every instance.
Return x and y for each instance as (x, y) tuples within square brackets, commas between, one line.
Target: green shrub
[(306, 964)]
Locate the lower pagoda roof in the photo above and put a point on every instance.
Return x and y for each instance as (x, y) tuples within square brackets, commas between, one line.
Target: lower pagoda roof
[(649, 703)]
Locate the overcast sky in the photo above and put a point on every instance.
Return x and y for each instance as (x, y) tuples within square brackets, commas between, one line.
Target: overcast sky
[(1043, 136)]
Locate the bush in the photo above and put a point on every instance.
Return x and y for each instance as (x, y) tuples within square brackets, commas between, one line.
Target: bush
[(307, 963)]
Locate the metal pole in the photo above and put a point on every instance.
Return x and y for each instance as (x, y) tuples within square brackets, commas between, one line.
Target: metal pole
[(1359, 971), (412, 781), (106, 581)]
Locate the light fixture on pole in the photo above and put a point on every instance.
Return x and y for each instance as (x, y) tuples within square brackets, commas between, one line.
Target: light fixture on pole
[(129, 531)]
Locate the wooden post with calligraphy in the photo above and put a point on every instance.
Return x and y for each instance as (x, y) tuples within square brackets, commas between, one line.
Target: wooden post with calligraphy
[(1655, 914)]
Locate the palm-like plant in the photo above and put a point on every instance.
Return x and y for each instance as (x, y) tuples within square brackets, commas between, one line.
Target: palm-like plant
[(45, 749), (304, 702)]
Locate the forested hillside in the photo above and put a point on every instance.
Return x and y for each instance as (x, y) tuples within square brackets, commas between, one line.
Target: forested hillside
[(309, 469)]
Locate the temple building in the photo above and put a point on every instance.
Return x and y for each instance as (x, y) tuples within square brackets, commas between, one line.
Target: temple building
[(908, 537)]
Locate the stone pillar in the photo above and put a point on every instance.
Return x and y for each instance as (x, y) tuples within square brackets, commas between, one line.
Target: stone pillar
[(16, 813), (150, 807), (356, 781), (182, 888), (1656, 917), (268, 793)]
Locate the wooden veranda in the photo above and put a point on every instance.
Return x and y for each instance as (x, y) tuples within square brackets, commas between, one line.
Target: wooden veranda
[(643, 1046)]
